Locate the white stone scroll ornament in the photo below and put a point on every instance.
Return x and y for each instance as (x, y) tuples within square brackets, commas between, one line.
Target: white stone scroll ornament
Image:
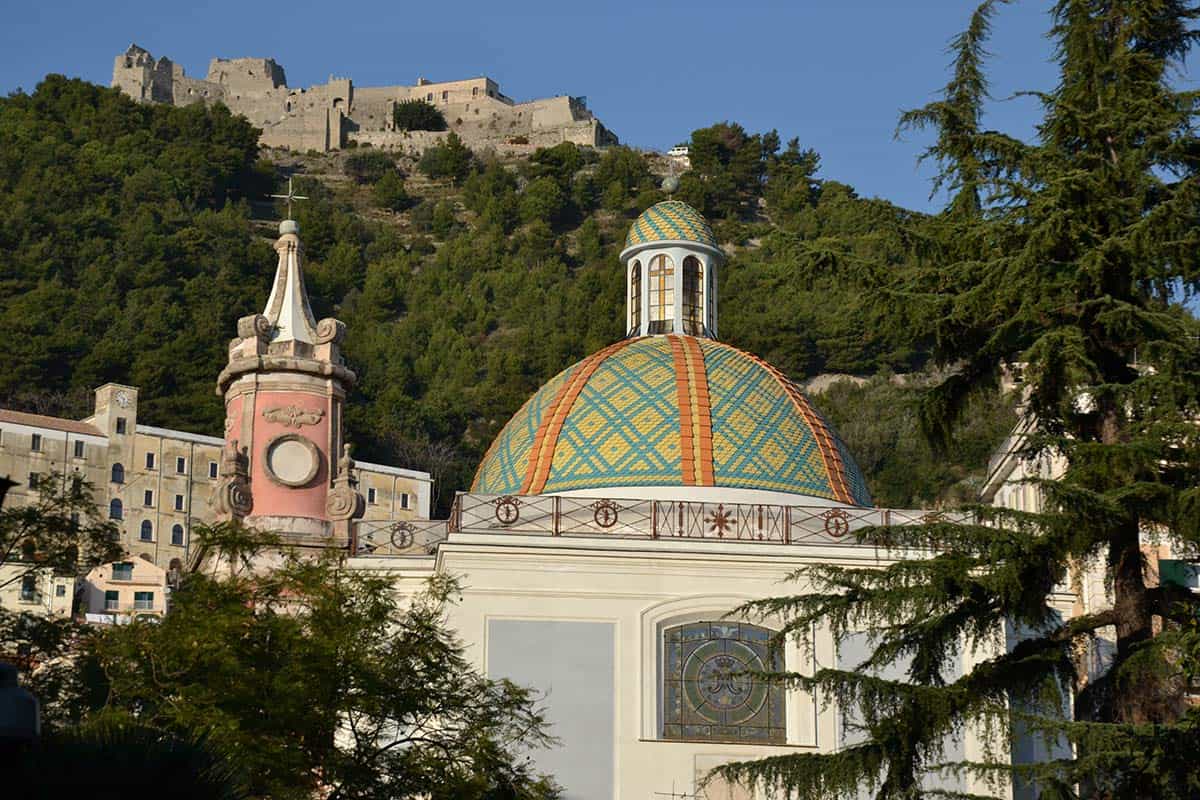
[(344, 501), (231, 496)]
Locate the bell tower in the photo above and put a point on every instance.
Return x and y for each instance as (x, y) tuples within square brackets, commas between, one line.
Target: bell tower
[(286, 468)]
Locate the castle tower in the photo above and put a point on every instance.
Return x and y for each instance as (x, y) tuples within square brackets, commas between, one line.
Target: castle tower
[(286, 468), (671, 258)]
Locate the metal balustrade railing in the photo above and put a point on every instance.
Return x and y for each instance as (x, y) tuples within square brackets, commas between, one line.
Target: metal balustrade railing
[(398, 537), (543, 515)]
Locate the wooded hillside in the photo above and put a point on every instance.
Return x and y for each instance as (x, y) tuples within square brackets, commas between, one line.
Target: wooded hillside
[(133, 236)]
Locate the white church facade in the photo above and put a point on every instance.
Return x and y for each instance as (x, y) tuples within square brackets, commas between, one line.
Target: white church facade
[(627, 508)]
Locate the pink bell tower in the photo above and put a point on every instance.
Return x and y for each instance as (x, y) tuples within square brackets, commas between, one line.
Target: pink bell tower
[(285, 467)]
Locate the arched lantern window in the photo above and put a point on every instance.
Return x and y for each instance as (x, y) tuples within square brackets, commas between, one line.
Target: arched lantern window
[(711, 305), (693, 296), (635, 298), (662, 294)]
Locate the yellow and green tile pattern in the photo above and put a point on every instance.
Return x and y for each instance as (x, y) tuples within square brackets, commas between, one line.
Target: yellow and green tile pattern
[(670, 221), (670, 411)]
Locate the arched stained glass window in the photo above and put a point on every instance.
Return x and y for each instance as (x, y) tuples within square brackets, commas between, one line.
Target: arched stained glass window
[(706, 692), (662, 294), (693, 299), (635, 298)]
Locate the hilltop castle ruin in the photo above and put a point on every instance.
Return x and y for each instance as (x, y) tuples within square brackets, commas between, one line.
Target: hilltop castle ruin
[(332, 115)]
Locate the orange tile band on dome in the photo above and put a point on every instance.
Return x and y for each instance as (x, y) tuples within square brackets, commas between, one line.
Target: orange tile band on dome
[(831, 457), (541, 454), (695, 417)]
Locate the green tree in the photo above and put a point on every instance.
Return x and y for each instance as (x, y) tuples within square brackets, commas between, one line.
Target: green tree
[(390, 193), (62, 532), (418, 115), (879, 421), (449, 158), (623, 172), (319, 678), (560, 162), (368, 165), (444, 221), (728, 168), (544, 200), (1065, 256), (111, 758)]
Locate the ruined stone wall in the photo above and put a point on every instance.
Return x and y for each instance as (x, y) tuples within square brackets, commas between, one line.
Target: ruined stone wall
[(322, 117), (247, 75)]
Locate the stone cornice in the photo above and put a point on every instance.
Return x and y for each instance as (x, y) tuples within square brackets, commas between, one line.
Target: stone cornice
[(267, 363)]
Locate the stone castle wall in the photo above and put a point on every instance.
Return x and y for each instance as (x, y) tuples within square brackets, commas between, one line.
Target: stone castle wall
[(330, 115)]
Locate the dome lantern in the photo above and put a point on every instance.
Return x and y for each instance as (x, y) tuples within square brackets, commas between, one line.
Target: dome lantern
[(671, 259)]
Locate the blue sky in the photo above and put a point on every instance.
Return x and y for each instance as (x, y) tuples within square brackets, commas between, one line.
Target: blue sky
[(834, 73)]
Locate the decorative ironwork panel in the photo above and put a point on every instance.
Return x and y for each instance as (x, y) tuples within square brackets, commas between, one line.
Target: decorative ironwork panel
[(398, 538)]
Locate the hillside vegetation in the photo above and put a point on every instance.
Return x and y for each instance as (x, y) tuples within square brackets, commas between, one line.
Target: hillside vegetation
[(133, 236)]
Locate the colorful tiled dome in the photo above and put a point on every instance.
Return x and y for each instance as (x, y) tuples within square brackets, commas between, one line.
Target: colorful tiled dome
[(670, 411), (670, 221)]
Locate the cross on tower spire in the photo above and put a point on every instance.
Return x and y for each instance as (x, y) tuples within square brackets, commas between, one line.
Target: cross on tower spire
[(290, 196)]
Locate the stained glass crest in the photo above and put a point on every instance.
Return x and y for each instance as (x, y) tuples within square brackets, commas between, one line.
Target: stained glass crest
[(707, 693)]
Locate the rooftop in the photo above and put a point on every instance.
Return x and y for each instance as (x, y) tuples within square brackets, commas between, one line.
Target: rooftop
[(49, 423)]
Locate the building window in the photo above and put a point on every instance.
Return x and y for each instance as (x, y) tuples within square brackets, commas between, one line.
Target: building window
[(118, 473), (371, 496), (148, 497), (706, 693), (149, 460), (60, 590), (181, 465), (635, 298), (693, 299), (34, 479), (143, 601), (35, 442), (123, 571), (177, 535), (147, 532), (429, 97), (121, 426), (114, 509), (212, 469), (662, 294), (112, 600), (179, 502), (78, 449), (474, 91), (445, 96), (711, 305), (404, 499), (28, 588)]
